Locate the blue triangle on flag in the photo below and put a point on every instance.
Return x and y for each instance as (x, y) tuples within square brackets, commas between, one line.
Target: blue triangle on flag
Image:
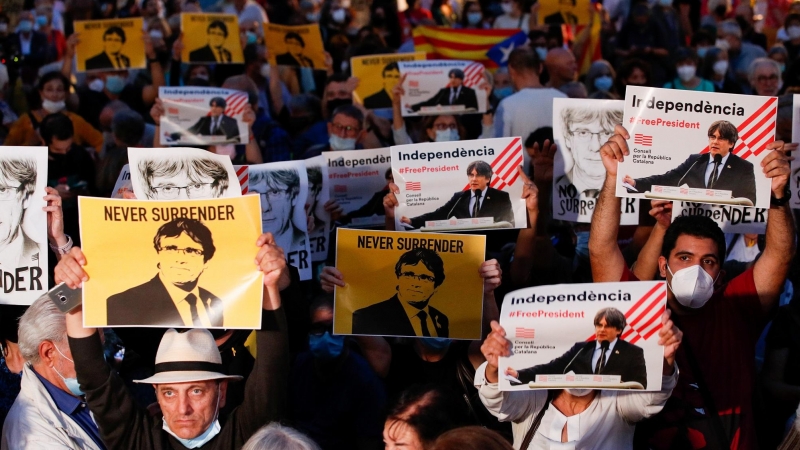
[(499, 53)]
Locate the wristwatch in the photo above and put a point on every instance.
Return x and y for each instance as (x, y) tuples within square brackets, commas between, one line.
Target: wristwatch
[(787, 194)]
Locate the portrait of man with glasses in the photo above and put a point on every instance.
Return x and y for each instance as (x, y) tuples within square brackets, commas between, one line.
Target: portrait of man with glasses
[(173, 297), (183, 179), (280, 197), (214, 51), (111, 57), (17, 185), (419, 272)]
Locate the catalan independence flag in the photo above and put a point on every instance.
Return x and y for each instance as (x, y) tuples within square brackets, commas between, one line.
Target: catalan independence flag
[(463, 44)]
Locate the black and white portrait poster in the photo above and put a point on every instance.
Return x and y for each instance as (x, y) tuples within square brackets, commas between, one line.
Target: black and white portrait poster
[(319, 218), (697, 146), (203, 116), (580, 128), (593, 335), (731, 219), (442, 87), (181, 174), (23, 224), (283, 188), (359, 179), (459, 185)]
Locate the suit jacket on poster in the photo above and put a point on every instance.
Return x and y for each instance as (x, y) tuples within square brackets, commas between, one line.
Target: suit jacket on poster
[(227, 127), (626, 360), (102, 61), (150, 304), (206, 54), (287, 59), (736, 176), (494, 204), (378, 100), (466, 96), (388, 318)]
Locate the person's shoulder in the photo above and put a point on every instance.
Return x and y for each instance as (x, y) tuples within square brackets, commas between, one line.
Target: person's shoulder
[(736, 159), (497, 192), (625, 345), (377, 307), (135, 291)]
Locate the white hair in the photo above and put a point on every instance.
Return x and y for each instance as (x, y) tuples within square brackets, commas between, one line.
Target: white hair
[(277, 437), (41, 322), (730, 27), (760, 62)]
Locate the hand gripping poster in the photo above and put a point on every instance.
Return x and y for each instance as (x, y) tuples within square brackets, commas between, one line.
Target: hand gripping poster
[(409, 284), (697, 146), (23, 225), (580, 128), (359, 179), (593, 335), (319, 218), (459, 185), (203, 116), (186, 264), (442, 87)]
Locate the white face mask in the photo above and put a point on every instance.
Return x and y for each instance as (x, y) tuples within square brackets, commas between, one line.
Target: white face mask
[(793, 32), (723, 44), (338, 15), (203, 439), (446, 135), (506, 7), (97, 85), (53, 107), (265, 70), (686, 73), (340, 143), (156, 34), (579, 392), (720, 67), (692, 286)]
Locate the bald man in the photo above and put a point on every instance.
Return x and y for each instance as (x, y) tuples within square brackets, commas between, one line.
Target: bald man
[(562, 67)]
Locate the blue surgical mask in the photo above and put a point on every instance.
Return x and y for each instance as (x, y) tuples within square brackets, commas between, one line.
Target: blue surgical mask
[(115, 84), (25, 26), (503, 92), (340, 143), (203, 439), (436, 344), (446, 135), (324, 346), (41, 20), (541, 52), (474, 18), (603, 83), (251, 37), (701, 51), (782, 67), (71, 383)]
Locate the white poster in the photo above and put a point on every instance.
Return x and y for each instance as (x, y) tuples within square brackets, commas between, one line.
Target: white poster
[(123, 183), (202, 116), (359, 179), (442, 87), (560, 332), (794, 180), (731, 219), (459, 185), (678, 139), (319, 219), (23, 225)]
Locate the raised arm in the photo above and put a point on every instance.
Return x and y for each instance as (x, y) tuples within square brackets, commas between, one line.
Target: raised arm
[(69, 55), (525, 250), (150, 93), (646, 265)]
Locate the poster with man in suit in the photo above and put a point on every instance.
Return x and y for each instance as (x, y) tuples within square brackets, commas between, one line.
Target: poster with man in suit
[(187, 263), (107, 45), (407, 284), (442, 87), (295, 46), (377, 76), (211, 39), (601, 336), (697, 146), (203, 116), (483, 173), (359, 180)]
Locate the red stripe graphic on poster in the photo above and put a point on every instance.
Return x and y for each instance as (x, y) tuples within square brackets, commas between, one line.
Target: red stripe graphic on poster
[(756, 132), (505, 166), (244, 176), (644, 317)]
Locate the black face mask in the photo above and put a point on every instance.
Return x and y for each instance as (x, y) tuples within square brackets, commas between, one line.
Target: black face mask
[(333, 104)]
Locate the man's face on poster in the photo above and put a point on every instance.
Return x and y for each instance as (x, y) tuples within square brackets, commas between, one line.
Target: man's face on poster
[(584, 141), (477, 182), (113, 43), (216, 37), (390, 79), (294, 47), (604, 332), (277, 205), (416, 283), (455, 81), (217, 111), (181, 187), (718, 145), (12, 208), (180, 259)]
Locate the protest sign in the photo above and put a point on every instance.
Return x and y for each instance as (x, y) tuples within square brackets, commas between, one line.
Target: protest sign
[(283, 189), (427, 174), (175, 253), (794, 180), (203, 116), (377, 76), (318, 195), (296, 46), (407, 284), (442, 87), (181, 174), (560, 12), (580, 128), (123, 183), (554, 337), (673, 154), (243, 175), (731, 219), (358, 182), (211, 38), (23, 225), (115, 44)]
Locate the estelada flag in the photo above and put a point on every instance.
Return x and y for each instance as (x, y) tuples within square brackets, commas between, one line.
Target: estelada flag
[(449, 43)]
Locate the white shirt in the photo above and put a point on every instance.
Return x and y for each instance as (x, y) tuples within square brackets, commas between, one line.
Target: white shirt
[(710, 166), (598, 351), (504, 21), (472, 199), (25, 44), (178, 297), (215, 123)]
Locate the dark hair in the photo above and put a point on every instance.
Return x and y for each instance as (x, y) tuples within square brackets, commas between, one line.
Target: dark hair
[(218, 101), (626, 70), (314, 176), (115, 30), (458, 73), (726, 130), (481, 167), (350, 111), (471, 438), (702, 35), (697, 226), (390, 67), (218, 24), (539, 136), (614, 318), (685, 54), (128, 126), (9, 322), (57, 126), (340, 77), (524, 59), (429, 409), (50, 76), (295, 36), (428, 257), (793, 17), (193, 228)]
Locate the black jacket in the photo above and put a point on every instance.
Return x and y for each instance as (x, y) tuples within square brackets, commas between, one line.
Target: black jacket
[(494, 204), (378, 100), (388, 318), (102, 61), (466, 96), (206, 54), (227, 127), (287, 59)]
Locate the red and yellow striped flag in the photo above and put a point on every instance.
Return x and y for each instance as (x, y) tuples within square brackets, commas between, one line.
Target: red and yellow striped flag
[(450, 43)]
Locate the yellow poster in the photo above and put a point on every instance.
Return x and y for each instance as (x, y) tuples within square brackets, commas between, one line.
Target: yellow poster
[(377, 76), (559, 12), (409, 284), (299, 46), (211, 38), (110, 45), (171, 263)]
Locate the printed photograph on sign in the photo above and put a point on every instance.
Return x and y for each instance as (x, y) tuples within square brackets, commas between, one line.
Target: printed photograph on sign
[(442, 87), (203, 116), (731, 219), (123, 183), (358, 182), (283, 190), (580, 128), (484, 174), (564, 12), (794, 180), (187, 264), (594, 335), (295, 46), (211, 38), (319, 218), (377, 76), (697, 146), (23, 225), (110, 45), (408, 284), (243, 174), (181, 174)]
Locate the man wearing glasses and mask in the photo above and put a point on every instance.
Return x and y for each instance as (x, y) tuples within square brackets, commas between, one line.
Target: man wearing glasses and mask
[(173, 298), (171, 179), (419, 273)]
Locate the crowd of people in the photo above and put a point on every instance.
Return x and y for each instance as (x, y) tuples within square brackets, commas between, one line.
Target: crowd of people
[(730, 333)]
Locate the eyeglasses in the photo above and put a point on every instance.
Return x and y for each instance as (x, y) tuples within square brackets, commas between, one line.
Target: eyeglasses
[(445, 126), (765, 78), (422, 277), (216, 33), (9, 192), (274, 194), (192, 190), (186, 251), (586, 135), (348, 130)]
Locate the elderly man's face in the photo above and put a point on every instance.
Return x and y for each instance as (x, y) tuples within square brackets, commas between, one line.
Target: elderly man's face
[(181, 187), (190, 408), (478, 182), (605, 332), (113, 43), (766, 80), (12, 208), (180, 259), (584, 141), (216, 37), (277, 205), (718, 145), (415, 284)]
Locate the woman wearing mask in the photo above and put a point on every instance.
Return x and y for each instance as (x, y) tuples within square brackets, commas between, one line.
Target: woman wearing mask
[(600, 77), (53, 88), (715, 69), (513, 16), (44, 23), (472, 17), (686, 68), (335, 18)]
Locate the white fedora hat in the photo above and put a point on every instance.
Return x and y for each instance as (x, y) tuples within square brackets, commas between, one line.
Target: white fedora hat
[(189, 356)]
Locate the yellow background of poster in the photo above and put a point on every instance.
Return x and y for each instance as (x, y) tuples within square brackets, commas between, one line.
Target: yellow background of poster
[(369, 71), (573, 12), (92, 43), (195, 36), (120, 255), (370, 278), (277, 49)]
